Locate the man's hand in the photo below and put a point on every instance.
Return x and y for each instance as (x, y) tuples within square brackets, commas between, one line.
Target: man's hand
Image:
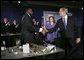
[(77, 40), (43, 30), (40, 30), (34, 21)]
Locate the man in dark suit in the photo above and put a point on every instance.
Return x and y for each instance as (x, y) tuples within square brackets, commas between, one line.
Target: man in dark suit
[(14, 27), (5, 28), (27, 27), (70, 34)]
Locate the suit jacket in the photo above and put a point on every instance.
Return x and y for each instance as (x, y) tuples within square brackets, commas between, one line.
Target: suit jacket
[(13, 28), (27, 28), (71, 30), (4, 28)]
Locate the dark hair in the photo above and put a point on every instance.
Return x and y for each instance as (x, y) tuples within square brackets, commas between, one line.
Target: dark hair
[(53, 18), (27, 9)]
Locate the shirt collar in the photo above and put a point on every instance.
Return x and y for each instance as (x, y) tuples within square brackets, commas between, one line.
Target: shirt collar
[(28, 14), (65, 16)]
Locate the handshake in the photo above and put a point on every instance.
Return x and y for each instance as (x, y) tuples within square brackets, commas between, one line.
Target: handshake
[(43, 30)]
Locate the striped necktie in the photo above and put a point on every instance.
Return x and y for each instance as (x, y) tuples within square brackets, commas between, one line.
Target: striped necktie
[(64, 22)]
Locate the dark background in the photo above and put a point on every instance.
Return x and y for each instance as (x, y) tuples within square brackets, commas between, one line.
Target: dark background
[(13, 10)]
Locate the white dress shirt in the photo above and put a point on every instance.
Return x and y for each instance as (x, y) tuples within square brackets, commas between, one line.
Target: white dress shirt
[(66, 19)]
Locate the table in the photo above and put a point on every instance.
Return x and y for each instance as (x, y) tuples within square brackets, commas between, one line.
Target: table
[(10, 34), (6, 55), (8, 37)]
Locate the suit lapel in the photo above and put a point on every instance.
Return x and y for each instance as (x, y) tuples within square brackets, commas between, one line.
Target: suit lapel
[(62, 24), (68, 21)]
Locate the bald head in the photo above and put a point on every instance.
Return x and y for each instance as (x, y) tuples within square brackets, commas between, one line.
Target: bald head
[(5, 20)]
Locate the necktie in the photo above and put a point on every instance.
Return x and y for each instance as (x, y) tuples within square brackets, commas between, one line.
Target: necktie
[(64, 22)]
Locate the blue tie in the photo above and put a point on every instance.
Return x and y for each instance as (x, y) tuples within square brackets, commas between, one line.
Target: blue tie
[(64, 23)]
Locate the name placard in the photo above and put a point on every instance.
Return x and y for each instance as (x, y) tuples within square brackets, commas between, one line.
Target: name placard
[(26, 48)]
